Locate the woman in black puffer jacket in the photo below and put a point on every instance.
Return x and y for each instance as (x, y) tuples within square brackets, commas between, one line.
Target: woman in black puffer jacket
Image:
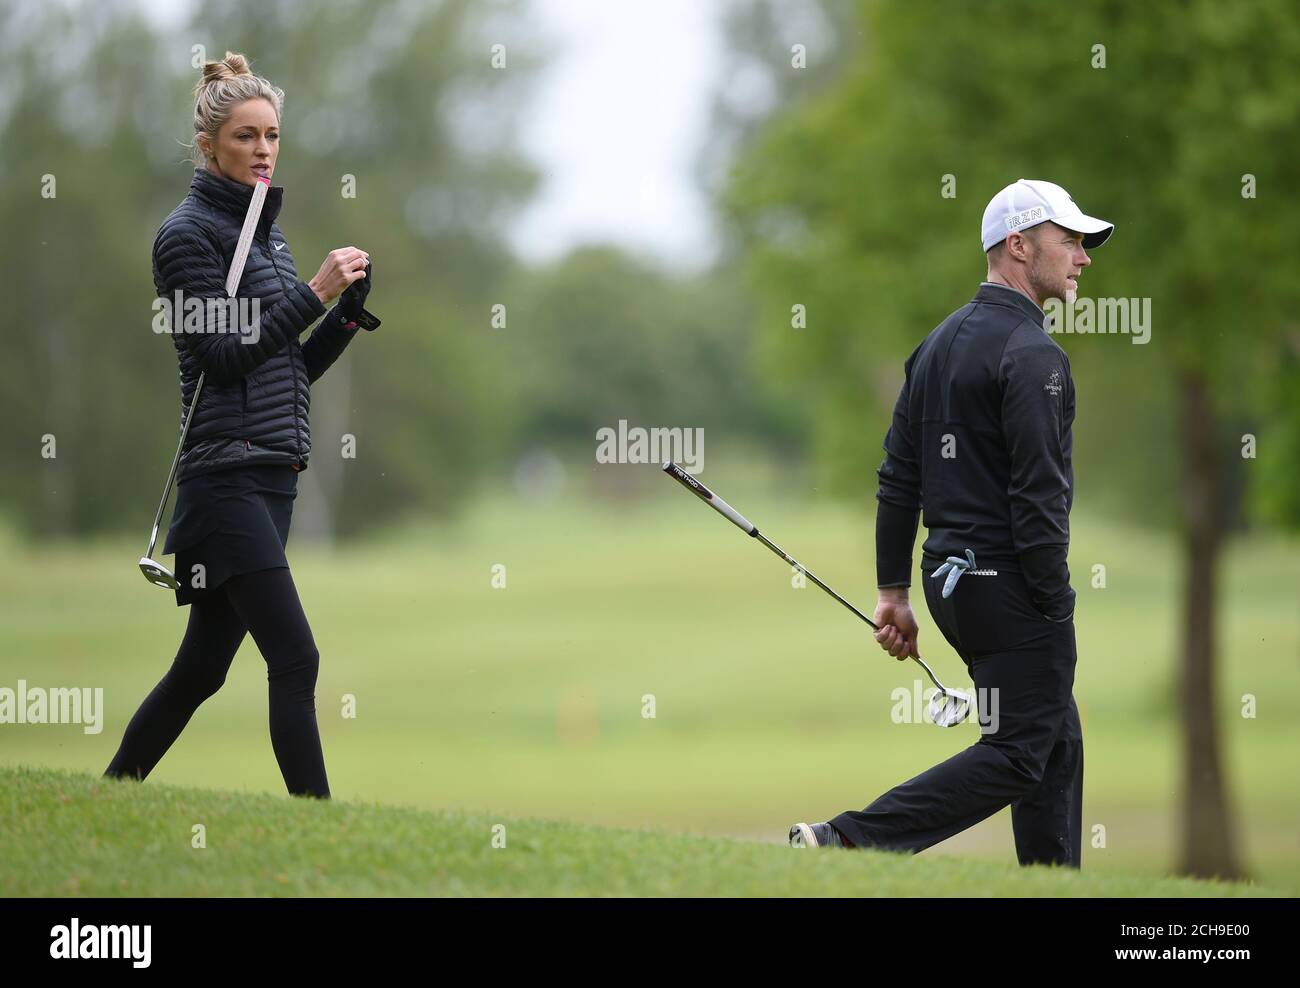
[(249, 437)]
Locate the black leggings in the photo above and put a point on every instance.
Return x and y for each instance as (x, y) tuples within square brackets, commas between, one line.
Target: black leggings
[(265, 603)]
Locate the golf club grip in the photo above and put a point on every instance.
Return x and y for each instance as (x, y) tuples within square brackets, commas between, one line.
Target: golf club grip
[(706, 495)]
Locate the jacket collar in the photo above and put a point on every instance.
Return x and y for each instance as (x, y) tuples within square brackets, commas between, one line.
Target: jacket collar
[(1002, 295), (233, 197)]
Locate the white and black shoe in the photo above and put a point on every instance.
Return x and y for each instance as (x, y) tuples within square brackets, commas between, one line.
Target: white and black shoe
[(814, 835)]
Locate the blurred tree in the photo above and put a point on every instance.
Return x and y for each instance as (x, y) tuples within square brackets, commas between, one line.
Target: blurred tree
[(602, 336), (1276, 495), (840, 209)]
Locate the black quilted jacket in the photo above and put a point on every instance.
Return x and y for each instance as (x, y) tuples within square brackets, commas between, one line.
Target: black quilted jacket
[(256, 396)]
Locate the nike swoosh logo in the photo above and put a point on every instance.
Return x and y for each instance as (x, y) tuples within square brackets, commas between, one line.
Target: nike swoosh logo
[(278, 246)]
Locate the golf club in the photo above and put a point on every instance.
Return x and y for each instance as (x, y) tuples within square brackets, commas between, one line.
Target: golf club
[(155, 572), (947, 707)]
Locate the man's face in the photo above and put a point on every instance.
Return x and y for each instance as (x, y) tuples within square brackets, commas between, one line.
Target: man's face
[(248, 143), (1056, 258)]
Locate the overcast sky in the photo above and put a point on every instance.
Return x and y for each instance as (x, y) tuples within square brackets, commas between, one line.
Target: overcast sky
[(618, 119)]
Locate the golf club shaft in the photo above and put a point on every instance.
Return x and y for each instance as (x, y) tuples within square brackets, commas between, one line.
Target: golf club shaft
[(176, 460), (812, 576), (749, 528)]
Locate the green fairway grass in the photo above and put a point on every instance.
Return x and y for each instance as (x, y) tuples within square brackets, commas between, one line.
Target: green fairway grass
[(771, 703), (72, 834)]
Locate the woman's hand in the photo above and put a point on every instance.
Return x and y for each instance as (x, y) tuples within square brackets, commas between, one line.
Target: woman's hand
[(340, 268), (352, 303)]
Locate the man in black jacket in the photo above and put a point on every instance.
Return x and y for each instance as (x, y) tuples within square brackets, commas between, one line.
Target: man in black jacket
[(981, 441)]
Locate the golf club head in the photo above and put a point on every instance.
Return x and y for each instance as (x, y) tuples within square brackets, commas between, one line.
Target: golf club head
[(158, 574), (949, 707)]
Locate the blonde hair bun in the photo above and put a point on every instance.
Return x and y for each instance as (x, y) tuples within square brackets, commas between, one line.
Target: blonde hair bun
[(232, 65)]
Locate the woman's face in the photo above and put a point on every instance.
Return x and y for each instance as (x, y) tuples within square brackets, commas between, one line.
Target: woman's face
[(247, 144)]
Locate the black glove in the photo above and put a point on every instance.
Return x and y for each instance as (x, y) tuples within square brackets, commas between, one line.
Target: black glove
[(352, 303)]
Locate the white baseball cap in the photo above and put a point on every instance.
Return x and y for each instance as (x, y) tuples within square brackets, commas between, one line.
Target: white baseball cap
[(1029, 202)]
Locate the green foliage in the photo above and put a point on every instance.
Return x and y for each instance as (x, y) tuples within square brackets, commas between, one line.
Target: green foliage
[(1277, 496), (838, 204)]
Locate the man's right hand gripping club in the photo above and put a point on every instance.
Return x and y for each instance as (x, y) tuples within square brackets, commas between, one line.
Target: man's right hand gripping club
[(898, 631)]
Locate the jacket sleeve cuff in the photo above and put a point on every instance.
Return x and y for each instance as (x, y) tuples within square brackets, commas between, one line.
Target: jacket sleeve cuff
[(314, 304), (336, 315)]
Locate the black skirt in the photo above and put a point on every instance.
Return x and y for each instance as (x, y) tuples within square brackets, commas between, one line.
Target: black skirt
[(229, 522)]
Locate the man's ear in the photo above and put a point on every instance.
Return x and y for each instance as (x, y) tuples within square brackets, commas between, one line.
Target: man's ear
[(1017, 246)]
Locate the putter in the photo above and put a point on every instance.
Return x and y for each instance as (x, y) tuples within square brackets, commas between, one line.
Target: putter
[(155, 572), (947, 707)]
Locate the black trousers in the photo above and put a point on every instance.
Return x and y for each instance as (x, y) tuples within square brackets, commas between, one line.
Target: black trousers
[(265, 603), (1032, 761)]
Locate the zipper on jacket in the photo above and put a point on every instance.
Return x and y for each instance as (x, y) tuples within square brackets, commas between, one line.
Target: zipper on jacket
[(293, 363)]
